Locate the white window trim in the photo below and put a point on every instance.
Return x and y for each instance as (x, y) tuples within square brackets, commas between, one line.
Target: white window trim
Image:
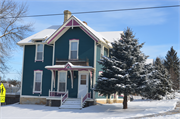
[(70, 41), (38, 71), (36, 53), (65, 82), (102, 50)]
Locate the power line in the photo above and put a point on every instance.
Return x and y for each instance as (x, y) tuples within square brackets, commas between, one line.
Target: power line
[(96, 11)]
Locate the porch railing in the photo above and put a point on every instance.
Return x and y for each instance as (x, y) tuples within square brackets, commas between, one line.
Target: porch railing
[(55, 94), (84, 98), (64, 97)]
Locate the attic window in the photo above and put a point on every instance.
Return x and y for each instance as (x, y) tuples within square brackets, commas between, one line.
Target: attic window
[(39, 52)]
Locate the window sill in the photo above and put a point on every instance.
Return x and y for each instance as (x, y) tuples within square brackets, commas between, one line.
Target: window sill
[(74, 59), (39, 61), (39, 92)]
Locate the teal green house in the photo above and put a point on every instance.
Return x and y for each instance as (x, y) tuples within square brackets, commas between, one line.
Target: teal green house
[(60, 64)]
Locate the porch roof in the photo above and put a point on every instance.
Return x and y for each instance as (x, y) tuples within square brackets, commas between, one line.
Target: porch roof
[(69, 66)]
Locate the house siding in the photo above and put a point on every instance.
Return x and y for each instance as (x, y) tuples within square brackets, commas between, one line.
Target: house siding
[(98, 68), (30, 65), (85, 51), (86, 45)]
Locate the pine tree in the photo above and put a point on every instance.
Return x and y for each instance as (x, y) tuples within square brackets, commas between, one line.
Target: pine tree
[(159, 84), (125, 70), (172, 64)]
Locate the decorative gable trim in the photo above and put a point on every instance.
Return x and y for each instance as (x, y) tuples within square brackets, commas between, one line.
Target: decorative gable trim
[(68, 66), (71, 22)]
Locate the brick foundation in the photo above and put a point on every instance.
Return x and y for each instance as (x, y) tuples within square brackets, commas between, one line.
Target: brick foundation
[(38, 101)]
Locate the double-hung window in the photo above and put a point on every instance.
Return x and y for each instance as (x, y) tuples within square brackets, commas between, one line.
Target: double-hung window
[(39, 52), (73, 49), (37, 81), (62, 81)]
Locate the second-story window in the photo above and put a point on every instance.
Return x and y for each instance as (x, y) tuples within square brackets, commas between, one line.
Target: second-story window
[(39, 52), (73, 49)]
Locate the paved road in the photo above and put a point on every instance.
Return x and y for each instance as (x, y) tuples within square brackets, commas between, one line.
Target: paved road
[(175, 111)]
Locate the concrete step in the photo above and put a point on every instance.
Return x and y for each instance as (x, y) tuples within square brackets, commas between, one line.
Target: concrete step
[(72, 103), (70, 107), (73, 99)]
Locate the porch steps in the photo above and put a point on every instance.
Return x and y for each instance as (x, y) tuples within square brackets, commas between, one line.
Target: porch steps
[(71, 103)]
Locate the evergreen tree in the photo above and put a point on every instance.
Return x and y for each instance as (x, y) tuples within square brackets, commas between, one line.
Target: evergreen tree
[(172, 64), (125, 70), (159, 84)]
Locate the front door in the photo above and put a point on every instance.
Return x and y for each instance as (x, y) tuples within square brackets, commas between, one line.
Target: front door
[(83, 84), (72, 91)]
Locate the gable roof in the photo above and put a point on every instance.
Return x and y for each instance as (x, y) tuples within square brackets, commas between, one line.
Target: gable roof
[(112, 35), (46, 33), (74, 22), (51, 34)]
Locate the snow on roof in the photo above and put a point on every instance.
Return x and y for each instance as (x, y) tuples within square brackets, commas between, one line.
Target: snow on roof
[(46, 33), (43, 35), (72, 66), (98, 35), (68, 64), (149, 61), (112, 35)]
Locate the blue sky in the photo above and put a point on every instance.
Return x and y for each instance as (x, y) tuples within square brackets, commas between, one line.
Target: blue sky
[(158, 28)]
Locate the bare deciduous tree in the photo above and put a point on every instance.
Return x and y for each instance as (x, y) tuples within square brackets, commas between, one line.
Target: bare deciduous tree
[(12, 28)]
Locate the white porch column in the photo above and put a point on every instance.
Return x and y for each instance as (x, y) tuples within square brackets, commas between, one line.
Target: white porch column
[(71, 78), (53, 79), (52, 76)]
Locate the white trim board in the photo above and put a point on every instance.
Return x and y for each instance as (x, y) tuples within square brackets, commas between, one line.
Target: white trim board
[(22, 71), (94, 81)]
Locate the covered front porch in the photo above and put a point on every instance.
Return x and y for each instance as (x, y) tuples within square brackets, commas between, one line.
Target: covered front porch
[(70, 81)]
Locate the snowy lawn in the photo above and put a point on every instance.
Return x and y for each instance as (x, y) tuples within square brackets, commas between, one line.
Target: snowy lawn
[(107, 111)]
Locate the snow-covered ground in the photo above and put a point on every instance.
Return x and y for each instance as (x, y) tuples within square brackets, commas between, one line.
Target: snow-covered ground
[(174, 116), (107, 111)]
